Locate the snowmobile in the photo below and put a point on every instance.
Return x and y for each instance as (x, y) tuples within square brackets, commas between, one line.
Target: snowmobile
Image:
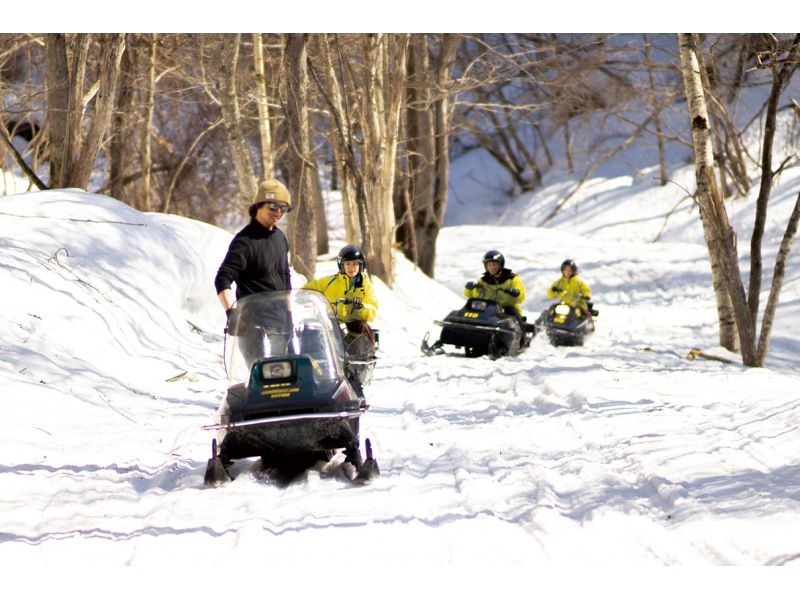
[(289, 399), (360, 346), (567, 325), (482, 327)]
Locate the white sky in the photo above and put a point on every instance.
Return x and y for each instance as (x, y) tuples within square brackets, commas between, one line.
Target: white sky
[(414, 15)]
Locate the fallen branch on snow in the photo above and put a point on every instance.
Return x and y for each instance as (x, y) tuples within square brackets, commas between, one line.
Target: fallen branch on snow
[(697, 353)]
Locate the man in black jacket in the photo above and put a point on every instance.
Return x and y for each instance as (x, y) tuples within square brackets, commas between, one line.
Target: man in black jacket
[(258, 260)]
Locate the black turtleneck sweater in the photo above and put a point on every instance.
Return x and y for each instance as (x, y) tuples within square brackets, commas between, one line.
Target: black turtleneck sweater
[(257, 260)]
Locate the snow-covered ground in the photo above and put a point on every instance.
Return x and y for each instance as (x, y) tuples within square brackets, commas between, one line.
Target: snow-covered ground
[(559, 468)]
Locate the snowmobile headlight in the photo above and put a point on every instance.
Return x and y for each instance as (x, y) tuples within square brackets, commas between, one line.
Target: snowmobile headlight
[(478, 305), (562, 309), (276, 369)]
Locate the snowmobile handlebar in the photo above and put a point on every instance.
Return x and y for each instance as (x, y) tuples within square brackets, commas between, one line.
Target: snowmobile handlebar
[(345, 301), (355, 302)]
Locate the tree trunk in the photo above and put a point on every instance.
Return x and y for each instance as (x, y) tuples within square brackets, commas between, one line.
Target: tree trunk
[(119, 125), (341, 134), (304, 235), (267, 164), (444, 73), (731, 154), (428, 122), (780, 76), (320, 216), (777, 283), (717, 230), (147, 125), (385, 56), (80, 54), (104, 101), (229, 104), (662, 168), (568, 147), (70, 167), (58, 96), (420, 145)]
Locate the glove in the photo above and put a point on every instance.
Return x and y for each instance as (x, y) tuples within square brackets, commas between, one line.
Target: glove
[(554, 289), (512, 292), (229, 315), (356, 303), (470, 285)]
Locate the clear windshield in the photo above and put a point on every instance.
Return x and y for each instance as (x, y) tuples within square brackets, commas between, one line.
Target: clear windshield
[(280, 323)]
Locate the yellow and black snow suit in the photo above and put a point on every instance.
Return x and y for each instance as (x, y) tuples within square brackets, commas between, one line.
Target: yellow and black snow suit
[(573, 291), (489, 287), (341, 286)]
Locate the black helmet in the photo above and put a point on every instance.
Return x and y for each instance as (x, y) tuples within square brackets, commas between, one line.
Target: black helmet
[(351, 253), (571, 264), (494, 256)]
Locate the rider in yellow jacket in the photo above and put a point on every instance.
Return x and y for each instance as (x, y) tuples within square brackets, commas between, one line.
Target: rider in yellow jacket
[(498, 283), (571, 288), (351, 283)]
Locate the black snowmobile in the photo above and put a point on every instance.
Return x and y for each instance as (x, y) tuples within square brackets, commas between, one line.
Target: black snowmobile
[(566, 325), (289, 399), (482, 327)]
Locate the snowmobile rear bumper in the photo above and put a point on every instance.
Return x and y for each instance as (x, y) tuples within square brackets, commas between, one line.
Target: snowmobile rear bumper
[(473, 327), (272, 437), (282, 419)]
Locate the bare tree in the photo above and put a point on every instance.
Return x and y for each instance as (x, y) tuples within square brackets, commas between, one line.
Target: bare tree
[(147, 125), (323, 244), (341, 132), (262, 100), (423, 201), (229, 104), (729, 150), (656, 103), (781, 71), (303, 230), (716, 228), (720, 237), (384, 58), (120, 122), (72, 156), (373, 81)]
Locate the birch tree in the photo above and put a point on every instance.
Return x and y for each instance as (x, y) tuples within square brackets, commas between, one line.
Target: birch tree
[(384, 57), (717, 231), (332, 89), (262, 100), (720, 237), (229, 104), (372, 81)]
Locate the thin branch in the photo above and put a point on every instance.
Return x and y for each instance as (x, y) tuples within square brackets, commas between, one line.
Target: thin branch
[(21, 161)]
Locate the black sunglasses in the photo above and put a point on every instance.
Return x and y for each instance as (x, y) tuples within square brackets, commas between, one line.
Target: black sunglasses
[(274, 206)]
